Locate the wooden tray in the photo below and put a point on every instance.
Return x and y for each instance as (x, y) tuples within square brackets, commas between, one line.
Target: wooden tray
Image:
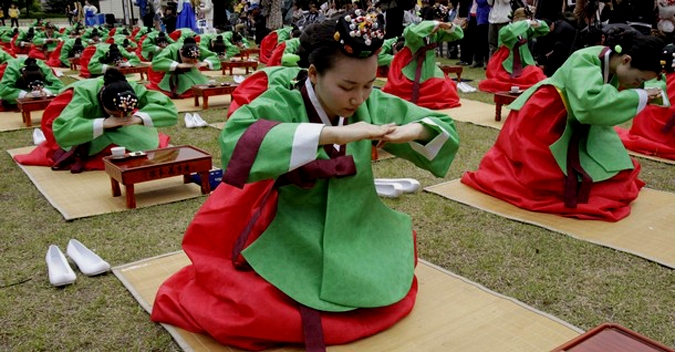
[(614, 338)]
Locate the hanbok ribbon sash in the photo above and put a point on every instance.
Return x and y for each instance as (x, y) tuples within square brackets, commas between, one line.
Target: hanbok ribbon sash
[(576, 193), (517, 69), (419, 57)]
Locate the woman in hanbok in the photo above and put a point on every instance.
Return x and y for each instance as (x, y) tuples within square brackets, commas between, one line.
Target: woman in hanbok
[(512, 64), (23, 76), (152, 44), (286, 53), (71, 48), (652, 131), (94, 115), (186, 15), (413, 73), (225, 45), (390, 47), (558, 152), (346, 270), (106, 56), (45, 42), (180, 62), (270, 42)]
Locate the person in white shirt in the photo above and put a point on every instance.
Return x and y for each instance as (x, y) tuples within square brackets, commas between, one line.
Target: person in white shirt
[(499, 18)]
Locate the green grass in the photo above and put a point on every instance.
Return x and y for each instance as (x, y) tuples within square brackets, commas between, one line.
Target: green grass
[(579, 282)]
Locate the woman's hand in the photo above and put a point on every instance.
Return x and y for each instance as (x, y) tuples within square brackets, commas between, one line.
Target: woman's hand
[(354, 132), (117, 121), (653, 93), (408, 133)]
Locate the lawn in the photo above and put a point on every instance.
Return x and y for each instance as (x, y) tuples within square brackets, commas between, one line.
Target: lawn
[(581, 283)]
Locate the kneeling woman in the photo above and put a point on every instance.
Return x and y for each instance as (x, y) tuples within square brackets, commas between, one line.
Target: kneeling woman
[(24, 76), (180, 62), (104, 57), (93, 115), (558, 152), (413, 73), (348, 266), (512, 65), (653, 130)]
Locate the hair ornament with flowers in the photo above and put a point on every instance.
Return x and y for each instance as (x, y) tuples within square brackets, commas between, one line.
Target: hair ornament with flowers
[(125, 102), (360, 33), (192, 52)]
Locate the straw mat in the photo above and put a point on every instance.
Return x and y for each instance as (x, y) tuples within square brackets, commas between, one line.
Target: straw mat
[(451, 314), (647, 232)]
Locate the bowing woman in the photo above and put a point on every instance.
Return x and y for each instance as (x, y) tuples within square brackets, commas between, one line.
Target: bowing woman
[(93, 115), (653, 130), (512, 64), (27, 75), (180, 62), (348, 266), (413, 73), (558, 152)]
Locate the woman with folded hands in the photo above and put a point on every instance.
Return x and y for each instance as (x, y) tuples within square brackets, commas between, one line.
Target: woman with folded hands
[(260, 276), (106, 56), (558, 152), (25, 76), (94, 115), (180, 62)]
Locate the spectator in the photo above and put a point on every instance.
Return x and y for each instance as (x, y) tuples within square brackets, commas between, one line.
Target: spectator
[(2, 16), (69, 14), (482, 50), (89, 14), (14, 15), (498, 19), (258, 21)]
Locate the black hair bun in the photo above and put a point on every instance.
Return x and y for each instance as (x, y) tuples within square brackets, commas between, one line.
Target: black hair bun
[(113, 75)]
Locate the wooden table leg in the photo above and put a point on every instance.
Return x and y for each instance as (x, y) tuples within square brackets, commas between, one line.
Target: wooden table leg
[(187, 178), (206, 185), (498, 112), (206, 101), (196, 100), (115, 187), (131, 198), (231, 70), (26, 118), (247, 69), (224, 68)]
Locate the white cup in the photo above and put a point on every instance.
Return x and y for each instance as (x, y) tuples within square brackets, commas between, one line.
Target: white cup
[(515, 89), (36, 94), (212, 82), (118, 151)]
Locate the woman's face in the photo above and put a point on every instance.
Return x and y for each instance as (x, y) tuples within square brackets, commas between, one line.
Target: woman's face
[(344, 87), (630, 77)]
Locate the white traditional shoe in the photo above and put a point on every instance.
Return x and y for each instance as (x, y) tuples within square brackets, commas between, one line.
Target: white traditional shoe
[(238, 79), (38, 136), (389, 190), (89, 263), (198, 121), (60, 272), (409, 185), (189, 122)]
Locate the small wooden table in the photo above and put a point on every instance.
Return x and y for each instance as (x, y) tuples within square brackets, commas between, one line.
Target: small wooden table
[(231, 64), (28, 104), (504, 98), (246, 53), (205, 91), (448, 69), (142, 69), (612, 337), (74, 61), (157, 164)]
